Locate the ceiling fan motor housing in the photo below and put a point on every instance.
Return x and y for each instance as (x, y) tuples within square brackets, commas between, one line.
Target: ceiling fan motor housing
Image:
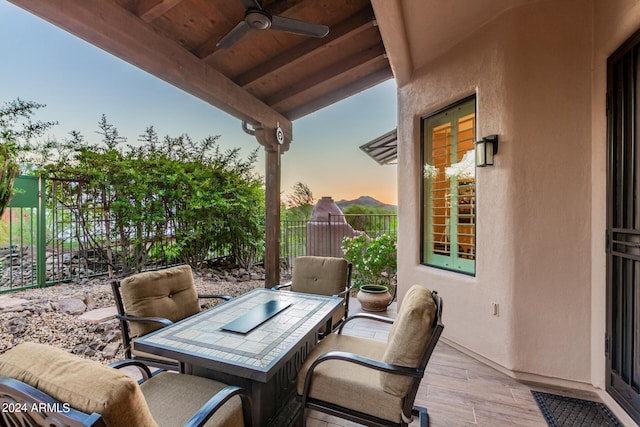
[(258, 19)]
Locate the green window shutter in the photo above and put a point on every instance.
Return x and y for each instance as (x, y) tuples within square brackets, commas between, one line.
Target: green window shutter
[(448, 188)]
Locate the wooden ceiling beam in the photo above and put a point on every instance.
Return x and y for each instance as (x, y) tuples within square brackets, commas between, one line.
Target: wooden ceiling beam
[(393, 31), (115, 30), (287, 7), (326, 75), (346, 29), (329, 98), (148, 10), (209, 47)]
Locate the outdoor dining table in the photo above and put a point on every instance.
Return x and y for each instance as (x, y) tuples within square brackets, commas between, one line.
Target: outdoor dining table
[(257, 341)]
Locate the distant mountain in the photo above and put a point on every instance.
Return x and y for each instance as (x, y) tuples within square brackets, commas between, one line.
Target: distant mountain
[(364, 200)]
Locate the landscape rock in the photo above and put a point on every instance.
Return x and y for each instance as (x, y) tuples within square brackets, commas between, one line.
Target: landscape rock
[(17, 326), (89, 301), (110, 350), (43, 317), (112, 336), (71, 306)]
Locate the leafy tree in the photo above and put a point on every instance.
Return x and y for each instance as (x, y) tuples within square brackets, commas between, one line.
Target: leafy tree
[(9, 171), (16, 127), (300, 202), (176, 196), (371, 219)]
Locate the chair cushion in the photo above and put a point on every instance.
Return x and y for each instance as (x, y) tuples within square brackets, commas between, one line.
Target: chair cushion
[(85, 385), (409, 337), (168, 293), (319, 275), (174, 398), (347, 384)]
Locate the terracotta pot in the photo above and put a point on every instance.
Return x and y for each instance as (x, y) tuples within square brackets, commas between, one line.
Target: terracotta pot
[(374, 297)]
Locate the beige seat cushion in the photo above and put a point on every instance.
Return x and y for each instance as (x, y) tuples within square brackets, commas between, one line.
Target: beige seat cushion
[(409, 337), (320, 276), (347, 384), (85, 385), (174, 398), (168, 293)]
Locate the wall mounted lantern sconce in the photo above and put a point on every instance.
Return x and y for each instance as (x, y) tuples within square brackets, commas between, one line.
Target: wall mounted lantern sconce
[(486, 148)]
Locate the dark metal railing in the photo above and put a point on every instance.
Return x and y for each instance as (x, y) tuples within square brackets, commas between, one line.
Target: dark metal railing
[(45, 239), (324, 238)]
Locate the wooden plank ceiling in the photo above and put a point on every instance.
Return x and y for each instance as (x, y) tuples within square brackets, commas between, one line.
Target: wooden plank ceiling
[(294, 75)]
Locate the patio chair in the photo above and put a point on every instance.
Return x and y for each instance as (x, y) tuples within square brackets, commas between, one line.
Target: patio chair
[(323, 276), (43, 385), (372, 382), (152, 300)]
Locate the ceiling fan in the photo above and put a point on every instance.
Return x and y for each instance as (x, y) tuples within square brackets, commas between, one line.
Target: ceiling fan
[(256, 18)]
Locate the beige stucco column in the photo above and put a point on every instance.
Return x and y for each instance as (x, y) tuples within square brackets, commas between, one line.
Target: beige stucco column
[(275, 143)]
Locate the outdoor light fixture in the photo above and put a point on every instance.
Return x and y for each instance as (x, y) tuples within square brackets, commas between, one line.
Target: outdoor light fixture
[(486, 148)]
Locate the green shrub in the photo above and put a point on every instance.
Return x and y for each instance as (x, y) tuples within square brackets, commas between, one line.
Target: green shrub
[(374, 260)]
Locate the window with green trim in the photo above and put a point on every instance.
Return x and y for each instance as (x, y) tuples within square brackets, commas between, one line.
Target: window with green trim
[(449, 187)]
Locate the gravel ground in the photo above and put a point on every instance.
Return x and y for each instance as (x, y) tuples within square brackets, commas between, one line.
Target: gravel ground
[(41, 319)]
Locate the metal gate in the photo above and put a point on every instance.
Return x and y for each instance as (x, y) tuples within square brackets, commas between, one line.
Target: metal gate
[(22, 237), (622, 342), (40, 246)]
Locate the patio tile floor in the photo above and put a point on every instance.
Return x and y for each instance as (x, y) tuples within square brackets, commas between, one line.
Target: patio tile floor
[(457, 390)]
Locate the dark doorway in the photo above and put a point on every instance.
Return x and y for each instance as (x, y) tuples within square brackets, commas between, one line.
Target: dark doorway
[(623, 227)]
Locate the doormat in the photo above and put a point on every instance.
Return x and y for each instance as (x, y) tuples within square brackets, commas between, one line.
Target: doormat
[(562, 411)]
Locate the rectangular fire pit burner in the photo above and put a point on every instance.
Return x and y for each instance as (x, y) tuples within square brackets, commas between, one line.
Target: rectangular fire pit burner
[(256, 317)]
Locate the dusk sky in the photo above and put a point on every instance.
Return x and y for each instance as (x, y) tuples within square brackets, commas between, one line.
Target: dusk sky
[(79, 82)]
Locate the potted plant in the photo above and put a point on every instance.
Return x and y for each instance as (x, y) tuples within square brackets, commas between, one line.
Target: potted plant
[(374, 263)]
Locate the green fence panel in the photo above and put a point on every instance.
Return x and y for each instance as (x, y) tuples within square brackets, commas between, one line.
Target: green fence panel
[(27, 192)]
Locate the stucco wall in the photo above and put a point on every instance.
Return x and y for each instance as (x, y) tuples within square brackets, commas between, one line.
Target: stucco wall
[(531, 71)]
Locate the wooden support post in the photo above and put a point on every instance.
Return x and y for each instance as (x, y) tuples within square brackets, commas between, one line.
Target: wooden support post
[(273, 147), (272, 223)]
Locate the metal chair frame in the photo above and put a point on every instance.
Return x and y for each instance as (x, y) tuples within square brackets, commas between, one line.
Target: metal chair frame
[(35, 408), (416, 373), (124, 326)]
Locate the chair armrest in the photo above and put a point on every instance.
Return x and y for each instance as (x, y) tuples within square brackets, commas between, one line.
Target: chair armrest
[(224, 297), (365, 316), (161, 320), (345, 292), (369, 363), (207, 410), (359, 360), (26, 398), (144, 369), (284, 285)]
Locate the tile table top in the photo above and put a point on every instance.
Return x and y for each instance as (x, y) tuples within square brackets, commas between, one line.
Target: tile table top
[(201, 339)]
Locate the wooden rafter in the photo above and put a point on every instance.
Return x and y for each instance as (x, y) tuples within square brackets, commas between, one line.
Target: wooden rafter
[(325, 75), (308, 49), (148, 10), (329, 98)]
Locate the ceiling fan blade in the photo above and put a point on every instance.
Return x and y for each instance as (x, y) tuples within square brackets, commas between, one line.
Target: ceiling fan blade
[(251, 4), (298, 27), (234, 35)]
